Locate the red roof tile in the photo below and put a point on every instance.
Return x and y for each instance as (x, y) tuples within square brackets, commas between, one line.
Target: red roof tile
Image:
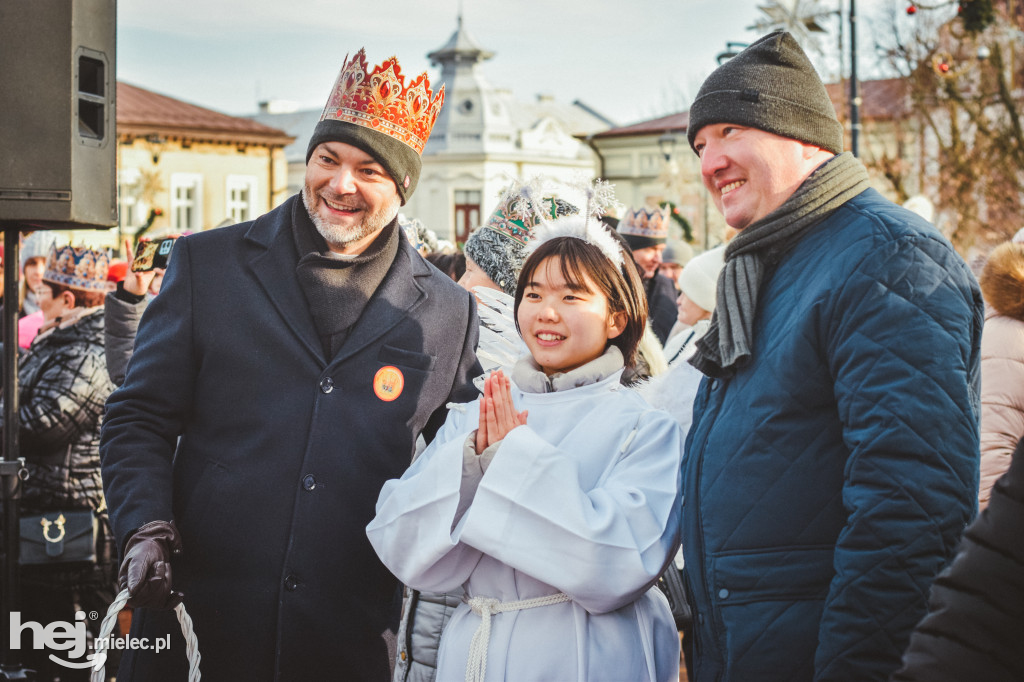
[(673, 123), (142, 112), (881, 99)]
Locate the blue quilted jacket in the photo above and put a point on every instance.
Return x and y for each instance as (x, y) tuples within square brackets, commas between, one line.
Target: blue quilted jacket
[(829, 480)]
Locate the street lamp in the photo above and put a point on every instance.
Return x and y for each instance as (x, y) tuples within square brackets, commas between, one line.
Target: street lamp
[(731, 50), (854, 94), (155, 143), (802, 20), (667, 144)]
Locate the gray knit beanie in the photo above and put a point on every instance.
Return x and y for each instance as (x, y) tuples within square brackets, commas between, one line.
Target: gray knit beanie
[(772, 86), (374, 109), (400, 161), (498, 246)]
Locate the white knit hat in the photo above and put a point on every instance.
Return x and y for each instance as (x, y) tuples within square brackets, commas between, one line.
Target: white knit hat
[(921, 205), (677, 251), (699, 278)]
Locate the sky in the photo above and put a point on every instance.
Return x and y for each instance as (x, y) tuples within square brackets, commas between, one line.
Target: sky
[(628, 59)]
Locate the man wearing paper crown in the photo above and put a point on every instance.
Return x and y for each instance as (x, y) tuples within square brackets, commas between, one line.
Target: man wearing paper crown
[(282, 375), (832, 463), (62, 385), (646, 231)]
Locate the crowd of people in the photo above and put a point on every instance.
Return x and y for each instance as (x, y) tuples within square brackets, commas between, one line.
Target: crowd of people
[(66, 373), (356, 451)]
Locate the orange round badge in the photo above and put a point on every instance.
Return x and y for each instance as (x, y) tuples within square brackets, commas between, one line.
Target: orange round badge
[(388, 383)]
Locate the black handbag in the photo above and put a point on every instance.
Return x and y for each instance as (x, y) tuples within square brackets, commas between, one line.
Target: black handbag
[(671, 585), (59, 538)]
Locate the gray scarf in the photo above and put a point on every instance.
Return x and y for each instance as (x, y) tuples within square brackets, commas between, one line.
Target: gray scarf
[(757, 249), (337, 289)]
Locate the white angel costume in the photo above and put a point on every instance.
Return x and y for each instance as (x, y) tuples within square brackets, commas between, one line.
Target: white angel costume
[(557, 532)]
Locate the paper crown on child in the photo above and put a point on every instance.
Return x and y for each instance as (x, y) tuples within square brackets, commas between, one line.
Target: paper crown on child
[(644, 227), (377, 112), (77, 267), (498, 245), (516, 215)]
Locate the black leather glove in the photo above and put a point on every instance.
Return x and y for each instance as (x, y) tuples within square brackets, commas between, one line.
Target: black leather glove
[(146, 567)]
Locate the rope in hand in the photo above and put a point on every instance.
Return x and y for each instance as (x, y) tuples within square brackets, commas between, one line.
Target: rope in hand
[(107, 627), (485, 607)]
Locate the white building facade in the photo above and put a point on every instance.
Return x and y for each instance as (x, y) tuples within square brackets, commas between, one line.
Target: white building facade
[(484, 136)]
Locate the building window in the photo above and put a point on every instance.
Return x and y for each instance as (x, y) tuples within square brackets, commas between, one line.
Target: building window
[(186, 202), (467, 212), (241, 194), (650, 164), (130, 207)]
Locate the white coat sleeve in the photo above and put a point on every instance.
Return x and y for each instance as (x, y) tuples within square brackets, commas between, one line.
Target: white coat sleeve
[(604, 546), (412, 531)]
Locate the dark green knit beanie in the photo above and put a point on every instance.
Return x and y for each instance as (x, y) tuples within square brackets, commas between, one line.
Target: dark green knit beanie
[(772, 86), (400, 160)]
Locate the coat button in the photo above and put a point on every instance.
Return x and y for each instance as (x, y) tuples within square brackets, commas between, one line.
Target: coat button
[(291, 583), (700, 618), (715, 383), (723, 593), (309, 481), (327, 385)]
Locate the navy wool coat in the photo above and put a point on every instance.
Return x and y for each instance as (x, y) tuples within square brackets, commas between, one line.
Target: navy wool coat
[(828, 481), (281, 456)]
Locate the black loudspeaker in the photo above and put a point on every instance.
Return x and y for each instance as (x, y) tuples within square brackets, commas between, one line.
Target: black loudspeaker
[(58, 139)]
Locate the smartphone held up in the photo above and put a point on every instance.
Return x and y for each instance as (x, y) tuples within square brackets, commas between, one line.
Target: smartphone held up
[(151, 254)]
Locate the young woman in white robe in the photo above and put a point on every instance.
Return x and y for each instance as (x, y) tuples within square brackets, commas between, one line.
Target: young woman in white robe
[(554, 499)]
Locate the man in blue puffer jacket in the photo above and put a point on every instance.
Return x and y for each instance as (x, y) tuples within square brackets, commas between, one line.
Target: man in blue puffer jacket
[(833, 459)]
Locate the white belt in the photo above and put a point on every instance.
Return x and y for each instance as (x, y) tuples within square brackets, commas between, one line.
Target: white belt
[(485, 607)]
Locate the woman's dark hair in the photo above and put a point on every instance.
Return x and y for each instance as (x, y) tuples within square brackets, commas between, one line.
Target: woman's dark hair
[(451, 264), (622, 287), (85, 299)]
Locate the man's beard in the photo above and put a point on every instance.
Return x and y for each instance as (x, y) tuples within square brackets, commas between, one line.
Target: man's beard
[(338, 235), (644, 274)]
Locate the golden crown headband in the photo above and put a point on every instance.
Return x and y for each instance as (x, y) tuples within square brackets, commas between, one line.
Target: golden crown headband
[(377, 112), (646, 222), (380, 100)]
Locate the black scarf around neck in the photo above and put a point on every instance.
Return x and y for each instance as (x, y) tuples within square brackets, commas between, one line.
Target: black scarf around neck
[(338, 288), (757, 249)]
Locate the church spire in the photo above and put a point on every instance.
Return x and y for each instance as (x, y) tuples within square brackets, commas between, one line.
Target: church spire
[(461, 47)]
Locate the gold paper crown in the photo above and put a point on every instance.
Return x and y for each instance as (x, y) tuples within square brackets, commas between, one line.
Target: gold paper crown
[(381, 101), (645, 222), (79, 268)]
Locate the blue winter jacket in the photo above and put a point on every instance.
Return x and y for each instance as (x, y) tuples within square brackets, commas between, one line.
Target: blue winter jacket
[(829, 480)]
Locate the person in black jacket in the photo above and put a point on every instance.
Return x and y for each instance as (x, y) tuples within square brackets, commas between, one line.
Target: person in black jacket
[(122, 312), (646, 232), (62, 385), (281, 376), (976, 609)]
